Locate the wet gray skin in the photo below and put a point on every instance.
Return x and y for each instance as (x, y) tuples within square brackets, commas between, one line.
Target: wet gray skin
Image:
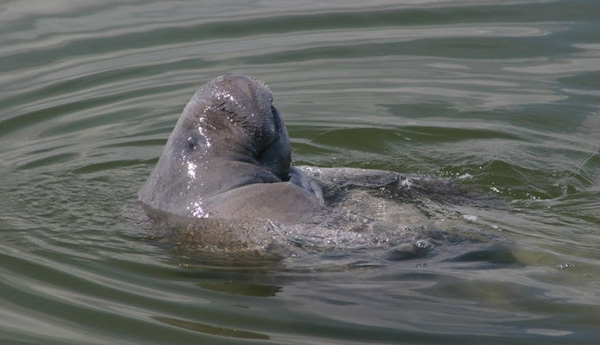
[(229, 158), (225, 181)]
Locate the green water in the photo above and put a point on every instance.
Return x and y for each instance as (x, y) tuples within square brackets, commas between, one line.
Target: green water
[(506, 92)]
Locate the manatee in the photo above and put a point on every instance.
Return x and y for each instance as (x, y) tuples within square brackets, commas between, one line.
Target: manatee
[(225, 180)]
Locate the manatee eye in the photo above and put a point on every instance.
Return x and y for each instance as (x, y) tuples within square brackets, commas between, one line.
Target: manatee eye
[(192, 143)]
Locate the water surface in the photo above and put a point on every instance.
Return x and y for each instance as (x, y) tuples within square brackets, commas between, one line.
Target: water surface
[(504, 93)]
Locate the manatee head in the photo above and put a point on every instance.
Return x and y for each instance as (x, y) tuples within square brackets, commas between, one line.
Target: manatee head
[(229, 135)]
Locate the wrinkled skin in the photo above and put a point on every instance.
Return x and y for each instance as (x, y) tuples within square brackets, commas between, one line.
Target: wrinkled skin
[(229, 157)]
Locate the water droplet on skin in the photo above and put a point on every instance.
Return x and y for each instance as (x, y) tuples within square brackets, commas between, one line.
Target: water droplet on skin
[(423, 244), (470, 218), (191, 170)]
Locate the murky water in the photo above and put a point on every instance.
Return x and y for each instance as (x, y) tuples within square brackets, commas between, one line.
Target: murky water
[(505, 93)]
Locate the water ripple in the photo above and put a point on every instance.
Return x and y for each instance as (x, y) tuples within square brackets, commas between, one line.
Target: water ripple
[(500, 96)]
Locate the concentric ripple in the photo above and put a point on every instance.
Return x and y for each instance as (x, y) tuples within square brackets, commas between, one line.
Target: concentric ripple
[(501, 97)]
